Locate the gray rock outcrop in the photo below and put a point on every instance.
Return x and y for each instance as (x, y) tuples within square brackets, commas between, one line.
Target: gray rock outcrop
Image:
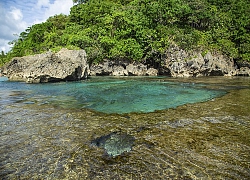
[(180, 63), (243, 69), (176, 62), (121, 68), (70, 65), (66, 65)]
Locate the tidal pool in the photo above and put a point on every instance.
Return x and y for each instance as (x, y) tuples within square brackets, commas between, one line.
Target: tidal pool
[(110, 95), (42, 138)]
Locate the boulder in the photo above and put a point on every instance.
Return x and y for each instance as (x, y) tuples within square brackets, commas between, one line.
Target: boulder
[(102, 69), (66, 65), (243, 69), (137, 69), (71, 65), (152, 72), (119, 71)]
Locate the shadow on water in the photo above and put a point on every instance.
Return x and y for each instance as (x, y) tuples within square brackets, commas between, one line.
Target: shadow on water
[(206, 140)]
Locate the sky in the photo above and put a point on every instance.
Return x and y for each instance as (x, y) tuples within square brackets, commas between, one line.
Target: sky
[(18, 15)]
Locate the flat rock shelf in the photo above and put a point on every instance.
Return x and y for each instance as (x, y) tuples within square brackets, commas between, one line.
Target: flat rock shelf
[(60, 137)]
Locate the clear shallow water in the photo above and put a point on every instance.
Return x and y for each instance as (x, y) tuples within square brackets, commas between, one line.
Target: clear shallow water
[(109, 95), (207, 140)]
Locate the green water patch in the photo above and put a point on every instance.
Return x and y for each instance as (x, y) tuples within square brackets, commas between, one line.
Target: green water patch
[(113, 95)]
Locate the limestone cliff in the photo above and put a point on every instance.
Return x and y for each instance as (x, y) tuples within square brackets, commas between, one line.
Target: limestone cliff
[(176, 62), (66, 65), (71, 65)]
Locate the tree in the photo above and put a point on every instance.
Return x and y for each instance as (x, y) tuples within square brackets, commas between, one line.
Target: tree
[(79, 1), (142, 30)]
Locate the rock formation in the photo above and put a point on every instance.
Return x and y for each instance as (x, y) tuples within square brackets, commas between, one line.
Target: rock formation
[(70, 65), (243, 69), (180, 63), (121, 68), (177, 62), (66, 65)]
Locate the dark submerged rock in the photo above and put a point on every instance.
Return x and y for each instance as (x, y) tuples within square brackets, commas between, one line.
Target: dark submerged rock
[(115, 143)]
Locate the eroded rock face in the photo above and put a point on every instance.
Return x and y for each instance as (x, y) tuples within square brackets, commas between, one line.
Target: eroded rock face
[(121, 68), (69, 65), (179, 63), (66, 65), (243, 69)]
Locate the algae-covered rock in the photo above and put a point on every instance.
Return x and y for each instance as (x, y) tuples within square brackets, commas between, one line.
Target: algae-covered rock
[(115, 143)]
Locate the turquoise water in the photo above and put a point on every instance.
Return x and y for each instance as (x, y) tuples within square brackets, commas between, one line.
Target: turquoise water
[(108, 95)]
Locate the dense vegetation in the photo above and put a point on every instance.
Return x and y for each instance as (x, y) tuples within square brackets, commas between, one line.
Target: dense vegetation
[(142, 30)]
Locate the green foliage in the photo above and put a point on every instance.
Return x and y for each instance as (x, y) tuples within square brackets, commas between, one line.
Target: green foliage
[(142, 30), (3, 58), (80, 1), (204, 52)]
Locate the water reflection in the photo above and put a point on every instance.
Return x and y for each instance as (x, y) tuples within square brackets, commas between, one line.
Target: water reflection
[(208, 140)]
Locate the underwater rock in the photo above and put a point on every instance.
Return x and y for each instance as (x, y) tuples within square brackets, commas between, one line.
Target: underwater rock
[(115, 143)]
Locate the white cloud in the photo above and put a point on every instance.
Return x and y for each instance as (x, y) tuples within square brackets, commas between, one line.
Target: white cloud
[(11, 24), (51, 9), (16, 16), (4, 45), (58, 7), (42, 3)]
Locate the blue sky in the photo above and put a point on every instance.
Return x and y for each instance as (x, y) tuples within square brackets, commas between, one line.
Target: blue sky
[(17, 15)]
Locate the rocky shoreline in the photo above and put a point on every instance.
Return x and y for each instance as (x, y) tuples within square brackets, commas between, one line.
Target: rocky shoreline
[(66, 65), (71, 65), (176, 63)]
